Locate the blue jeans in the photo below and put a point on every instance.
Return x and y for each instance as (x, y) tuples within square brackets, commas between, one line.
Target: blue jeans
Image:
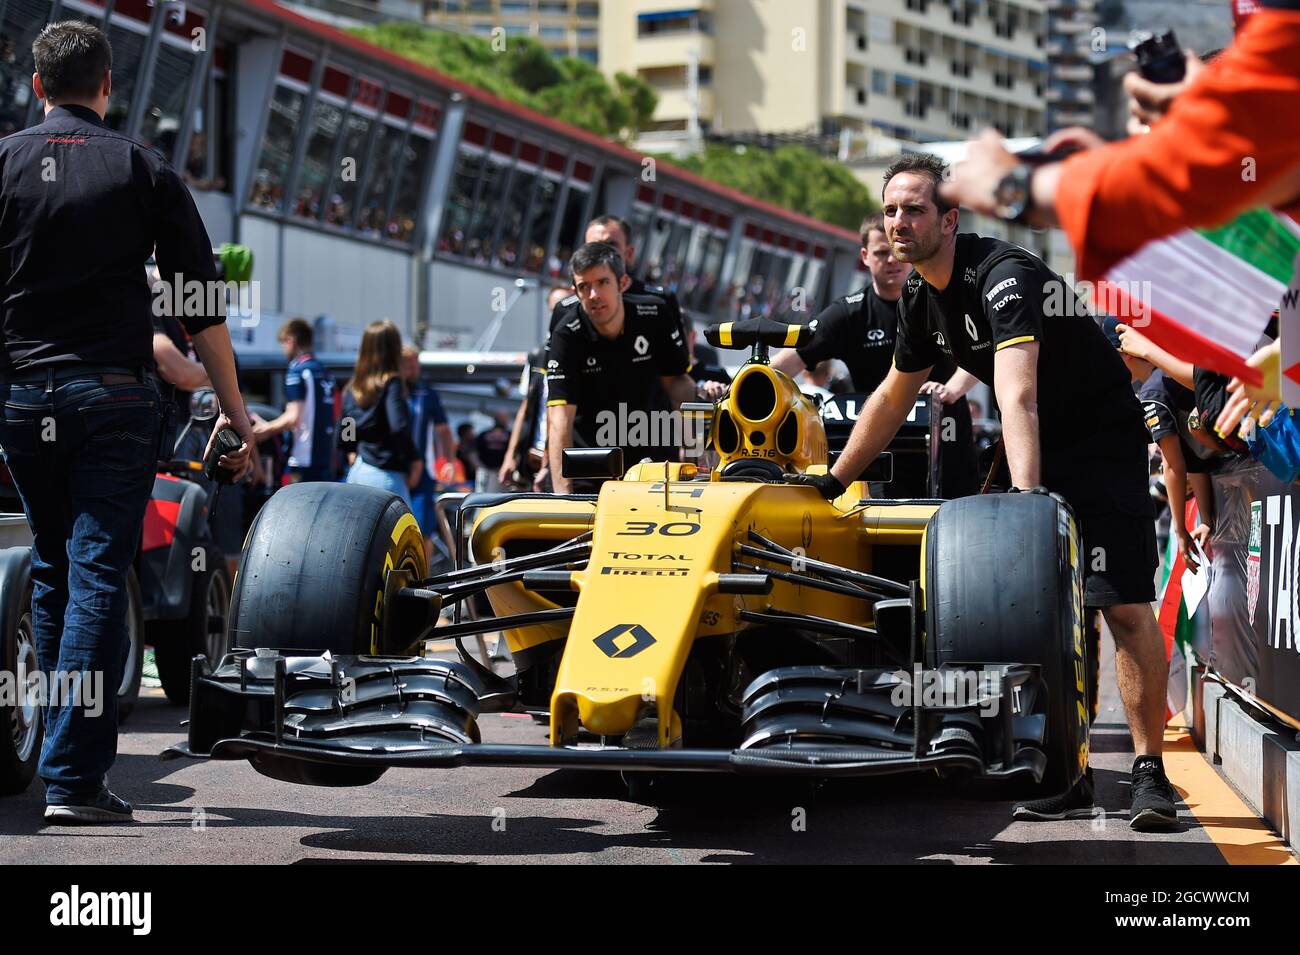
[(423, 496), (82, 455), (371, 476)]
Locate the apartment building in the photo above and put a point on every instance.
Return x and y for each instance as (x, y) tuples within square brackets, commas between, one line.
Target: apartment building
[(565, 27), (915, 70)]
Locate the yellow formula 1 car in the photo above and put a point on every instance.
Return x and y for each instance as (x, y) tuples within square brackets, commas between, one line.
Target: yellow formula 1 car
[(683, 619)]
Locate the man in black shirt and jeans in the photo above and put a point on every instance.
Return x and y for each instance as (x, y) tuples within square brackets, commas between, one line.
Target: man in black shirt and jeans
[(860, 330), (1070, 422), (81, 209), (610, 364)]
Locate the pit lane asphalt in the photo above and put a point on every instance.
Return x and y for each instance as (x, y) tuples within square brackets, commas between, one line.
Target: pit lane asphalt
[(207, 812)]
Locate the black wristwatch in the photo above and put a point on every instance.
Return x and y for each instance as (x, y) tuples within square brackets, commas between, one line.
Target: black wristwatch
[(1012, 196)]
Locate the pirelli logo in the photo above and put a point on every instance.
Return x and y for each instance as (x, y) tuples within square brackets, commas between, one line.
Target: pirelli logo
[(645, 571), (1004, 284)]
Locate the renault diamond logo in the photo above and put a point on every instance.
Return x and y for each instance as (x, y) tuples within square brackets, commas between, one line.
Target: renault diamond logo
[(609, 641), (642, 345)]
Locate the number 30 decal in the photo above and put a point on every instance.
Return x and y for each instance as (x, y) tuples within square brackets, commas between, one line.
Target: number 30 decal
[(646, 528)]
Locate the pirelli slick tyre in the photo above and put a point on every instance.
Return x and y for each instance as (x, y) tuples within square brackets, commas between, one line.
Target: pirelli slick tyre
[(314, 565), (1004, 584)]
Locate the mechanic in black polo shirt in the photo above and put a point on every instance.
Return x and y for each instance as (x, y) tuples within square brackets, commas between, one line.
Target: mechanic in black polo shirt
[(1070, 422), (616, 231), (611, 364), (81, 209), (860, 329)]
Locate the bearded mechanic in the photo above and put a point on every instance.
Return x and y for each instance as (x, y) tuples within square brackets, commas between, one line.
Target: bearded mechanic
[(1070, 422)]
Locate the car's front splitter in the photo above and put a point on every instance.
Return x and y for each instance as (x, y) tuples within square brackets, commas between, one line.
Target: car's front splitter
[(332, 721)]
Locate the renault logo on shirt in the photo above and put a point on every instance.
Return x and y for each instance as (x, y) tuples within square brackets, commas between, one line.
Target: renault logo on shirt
[(971, 330), (641, 345)]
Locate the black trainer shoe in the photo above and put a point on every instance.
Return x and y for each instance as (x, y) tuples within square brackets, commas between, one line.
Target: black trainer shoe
[(1075, 803), (103, 807), (1152, 808)]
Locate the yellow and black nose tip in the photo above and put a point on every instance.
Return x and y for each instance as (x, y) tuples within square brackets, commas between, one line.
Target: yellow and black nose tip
[(749, 333)]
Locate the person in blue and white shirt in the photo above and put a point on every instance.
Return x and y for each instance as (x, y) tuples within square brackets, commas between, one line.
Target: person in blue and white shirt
[(308, 415)]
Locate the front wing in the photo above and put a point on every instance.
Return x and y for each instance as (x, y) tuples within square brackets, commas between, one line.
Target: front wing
[(338, 721)]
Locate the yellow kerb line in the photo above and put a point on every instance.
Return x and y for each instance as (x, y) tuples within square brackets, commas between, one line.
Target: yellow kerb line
[(1241, 837)]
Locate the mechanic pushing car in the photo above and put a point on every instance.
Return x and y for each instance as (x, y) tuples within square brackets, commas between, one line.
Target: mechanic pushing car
[(1070, 422), (616, 231), (84, 207), (615, 356), (860, 330)]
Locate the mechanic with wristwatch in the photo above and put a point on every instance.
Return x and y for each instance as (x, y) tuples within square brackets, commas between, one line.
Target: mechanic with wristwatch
[(612, 363), (1070, 423), (859, 329)]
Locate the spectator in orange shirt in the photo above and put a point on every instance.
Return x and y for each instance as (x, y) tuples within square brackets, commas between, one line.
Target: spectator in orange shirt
[(1230, 142)]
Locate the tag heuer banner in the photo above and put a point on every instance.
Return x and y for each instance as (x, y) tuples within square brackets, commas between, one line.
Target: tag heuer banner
[(1254, 596)]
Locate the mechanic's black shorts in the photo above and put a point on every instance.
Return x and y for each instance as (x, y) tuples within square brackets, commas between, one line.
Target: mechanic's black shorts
[(1119, 559), (1106, 481)]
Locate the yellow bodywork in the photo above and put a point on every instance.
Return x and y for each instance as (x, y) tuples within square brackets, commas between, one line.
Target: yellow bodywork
[(661, 537)]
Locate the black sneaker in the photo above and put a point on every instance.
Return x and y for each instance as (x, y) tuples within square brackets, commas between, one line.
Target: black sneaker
[(103, 807), (1075, 803), (1152, 808)]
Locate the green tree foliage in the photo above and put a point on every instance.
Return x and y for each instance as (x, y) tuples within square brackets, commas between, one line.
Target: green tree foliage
[(576, 92), (789, 176), (567, 88)]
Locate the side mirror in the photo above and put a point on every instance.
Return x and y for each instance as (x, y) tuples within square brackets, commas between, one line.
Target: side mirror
[(879, 471), (697, 424), (204, 405), (592, 463)]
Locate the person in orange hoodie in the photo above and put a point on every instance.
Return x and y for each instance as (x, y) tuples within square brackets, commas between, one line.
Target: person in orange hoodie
[(1230, 141)]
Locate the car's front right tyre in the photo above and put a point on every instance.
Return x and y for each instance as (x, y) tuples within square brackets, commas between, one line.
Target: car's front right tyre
[(314, 567)]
